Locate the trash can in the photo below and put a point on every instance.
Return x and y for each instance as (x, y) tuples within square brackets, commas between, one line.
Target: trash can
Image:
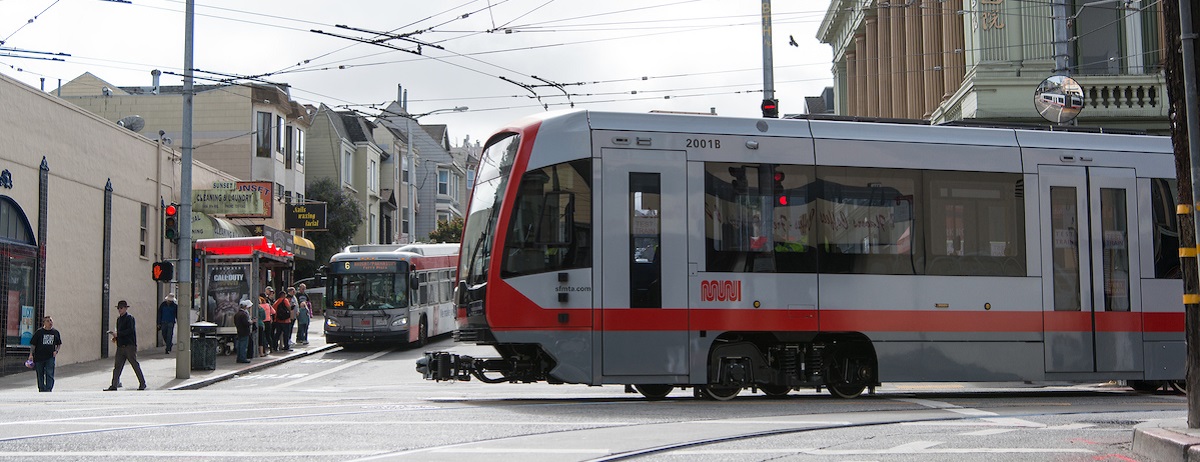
[(204, 346)]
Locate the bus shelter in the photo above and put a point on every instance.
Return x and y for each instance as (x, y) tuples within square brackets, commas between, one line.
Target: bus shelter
[(230, 270)]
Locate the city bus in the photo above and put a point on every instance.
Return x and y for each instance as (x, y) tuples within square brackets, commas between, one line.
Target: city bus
[(390, 293), (722, 254)]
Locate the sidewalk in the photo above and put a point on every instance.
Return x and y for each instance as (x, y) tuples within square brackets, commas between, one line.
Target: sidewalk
[(159, 369), (1167, 440)]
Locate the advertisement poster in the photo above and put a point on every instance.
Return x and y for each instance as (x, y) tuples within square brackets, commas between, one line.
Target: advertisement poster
[(227, 285), (26, 324)]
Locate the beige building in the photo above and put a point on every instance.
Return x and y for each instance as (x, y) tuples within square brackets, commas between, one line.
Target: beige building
[(344, 150), (253, 132), (942, 61), (79, 222)]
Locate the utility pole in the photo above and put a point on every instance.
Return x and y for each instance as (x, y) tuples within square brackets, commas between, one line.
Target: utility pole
[(770, 105), (183, 350)]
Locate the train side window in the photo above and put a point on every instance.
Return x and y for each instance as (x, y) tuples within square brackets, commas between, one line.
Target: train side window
[(867, 221), (976, 224), (1166, 228), (759, 218)]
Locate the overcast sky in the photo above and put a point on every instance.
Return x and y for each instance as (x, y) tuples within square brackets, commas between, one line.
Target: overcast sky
[(492, 56)]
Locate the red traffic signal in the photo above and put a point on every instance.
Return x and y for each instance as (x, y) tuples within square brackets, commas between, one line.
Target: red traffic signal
[(171, 222), (770, 108), (162, 271)]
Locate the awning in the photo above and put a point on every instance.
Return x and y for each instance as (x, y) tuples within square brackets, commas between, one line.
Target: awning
[(240, 246), (305, 248), (206, 226)]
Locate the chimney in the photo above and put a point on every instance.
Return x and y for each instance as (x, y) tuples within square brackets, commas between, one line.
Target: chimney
[(156, 73)]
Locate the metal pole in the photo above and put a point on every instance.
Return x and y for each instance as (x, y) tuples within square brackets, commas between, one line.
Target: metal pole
[(1188, 39), (768, 57), (410, 188), (1059, 11), (183, 350)]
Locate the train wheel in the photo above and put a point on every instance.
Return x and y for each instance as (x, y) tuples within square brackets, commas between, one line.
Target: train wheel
[(1179, 386), (720, 393), (1145, 386), (774, 391), (654, 391), (846, 390)]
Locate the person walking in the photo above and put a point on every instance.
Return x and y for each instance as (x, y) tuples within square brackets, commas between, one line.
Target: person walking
[(46, 342), (168, 311), (126, 339), (241, 320), (282, 323), (303, 314)]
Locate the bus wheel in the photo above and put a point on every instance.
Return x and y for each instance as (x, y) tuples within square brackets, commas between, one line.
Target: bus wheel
[(774, 391), (846, 390), (654, 391), (720, 393), (422, 333)]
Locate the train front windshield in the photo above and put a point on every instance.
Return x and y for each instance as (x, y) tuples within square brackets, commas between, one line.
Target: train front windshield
[(368, 291)]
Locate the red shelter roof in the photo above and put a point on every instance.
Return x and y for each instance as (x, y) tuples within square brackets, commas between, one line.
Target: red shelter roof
[(240, 246)]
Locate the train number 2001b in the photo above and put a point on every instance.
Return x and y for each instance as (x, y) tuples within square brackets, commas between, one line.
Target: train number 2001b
[(703, 144)]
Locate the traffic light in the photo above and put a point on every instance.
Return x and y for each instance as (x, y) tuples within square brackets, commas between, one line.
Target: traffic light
[(770, 108), (171, 222), (740, 185), (781, 198), (162, 271)]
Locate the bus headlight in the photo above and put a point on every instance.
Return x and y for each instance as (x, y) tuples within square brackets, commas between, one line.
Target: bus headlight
[(331, 322), (400, 322)]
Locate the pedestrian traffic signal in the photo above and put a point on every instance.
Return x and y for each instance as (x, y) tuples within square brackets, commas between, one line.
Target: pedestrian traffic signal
[(162, 271), (770, 108), (171, 222)]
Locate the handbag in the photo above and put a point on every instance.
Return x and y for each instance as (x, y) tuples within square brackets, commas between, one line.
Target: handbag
[(29, 363)]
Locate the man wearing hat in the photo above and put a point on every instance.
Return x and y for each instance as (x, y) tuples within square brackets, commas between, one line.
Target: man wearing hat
[(126, 339), (167, 312), (241, 320)]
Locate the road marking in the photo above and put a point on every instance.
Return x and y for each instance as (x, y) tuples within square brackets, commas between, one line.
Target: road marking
[(335, 369), (988, 432)]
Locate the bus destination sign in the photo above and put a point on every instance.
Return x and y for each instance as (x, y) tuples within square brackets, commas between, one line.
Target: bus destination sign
[(367, 266)]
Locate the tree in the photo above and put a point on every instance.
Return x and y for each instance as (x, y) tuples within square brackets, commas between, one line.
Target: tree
[(344, 215), (448, 231), (1178, 115)]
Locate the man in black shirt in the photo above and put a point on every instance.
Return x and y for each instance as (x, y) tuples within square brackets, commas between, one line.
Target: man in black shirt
[(126, 339), (46, 342), (241, 320)]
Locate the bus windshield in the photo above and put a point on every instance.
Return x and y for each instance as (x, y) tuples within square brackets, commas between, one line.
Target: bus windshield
[(368, 291)]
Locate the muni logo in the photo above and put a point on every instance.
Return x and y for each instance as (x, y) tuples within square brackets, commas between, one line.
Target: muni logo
[(721, 291)]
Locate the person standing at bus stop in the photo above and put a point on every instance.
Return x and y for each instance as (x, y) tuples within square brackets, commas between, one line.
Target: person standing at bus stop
[(168, 310), (126, 339), (282, 323), (303, 314), (241, 321)]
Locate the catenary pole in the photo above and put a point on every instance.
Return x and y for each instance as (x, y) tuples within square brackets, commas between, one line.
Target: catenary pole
[(183, 350)]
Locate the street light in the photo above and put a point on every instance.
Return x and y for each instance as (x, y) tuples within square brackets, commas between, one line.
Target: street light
[(412, 165)]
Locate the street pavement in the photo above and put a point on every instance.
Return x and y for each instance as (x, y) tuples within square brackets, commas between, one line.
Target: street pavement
[(159, 369), (1166, 440)]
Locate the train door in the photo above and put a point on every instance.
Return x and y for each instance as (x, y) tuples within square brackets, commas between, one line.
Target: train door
[(1091, 300), (644, 314)]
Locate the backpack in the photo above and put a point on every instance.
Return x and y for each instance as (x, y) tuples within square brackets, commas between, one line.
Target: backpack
[(283, 313)]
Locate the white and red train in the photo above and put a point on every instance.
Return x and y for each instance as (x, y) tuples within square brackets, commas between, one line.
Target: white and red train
[(723, 254)]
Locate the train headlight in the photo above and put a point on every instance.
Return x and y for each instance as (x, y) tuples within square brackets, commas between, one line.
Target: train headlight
[(331, 322), (400, 322)]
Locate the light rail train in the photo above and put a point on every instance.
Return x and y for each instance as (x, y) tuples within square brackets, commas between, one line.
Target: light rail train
[(721, 254)]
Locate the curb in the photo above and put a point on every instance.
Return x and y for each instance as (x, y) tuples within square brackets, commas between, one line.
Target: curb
[(254, 368)]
